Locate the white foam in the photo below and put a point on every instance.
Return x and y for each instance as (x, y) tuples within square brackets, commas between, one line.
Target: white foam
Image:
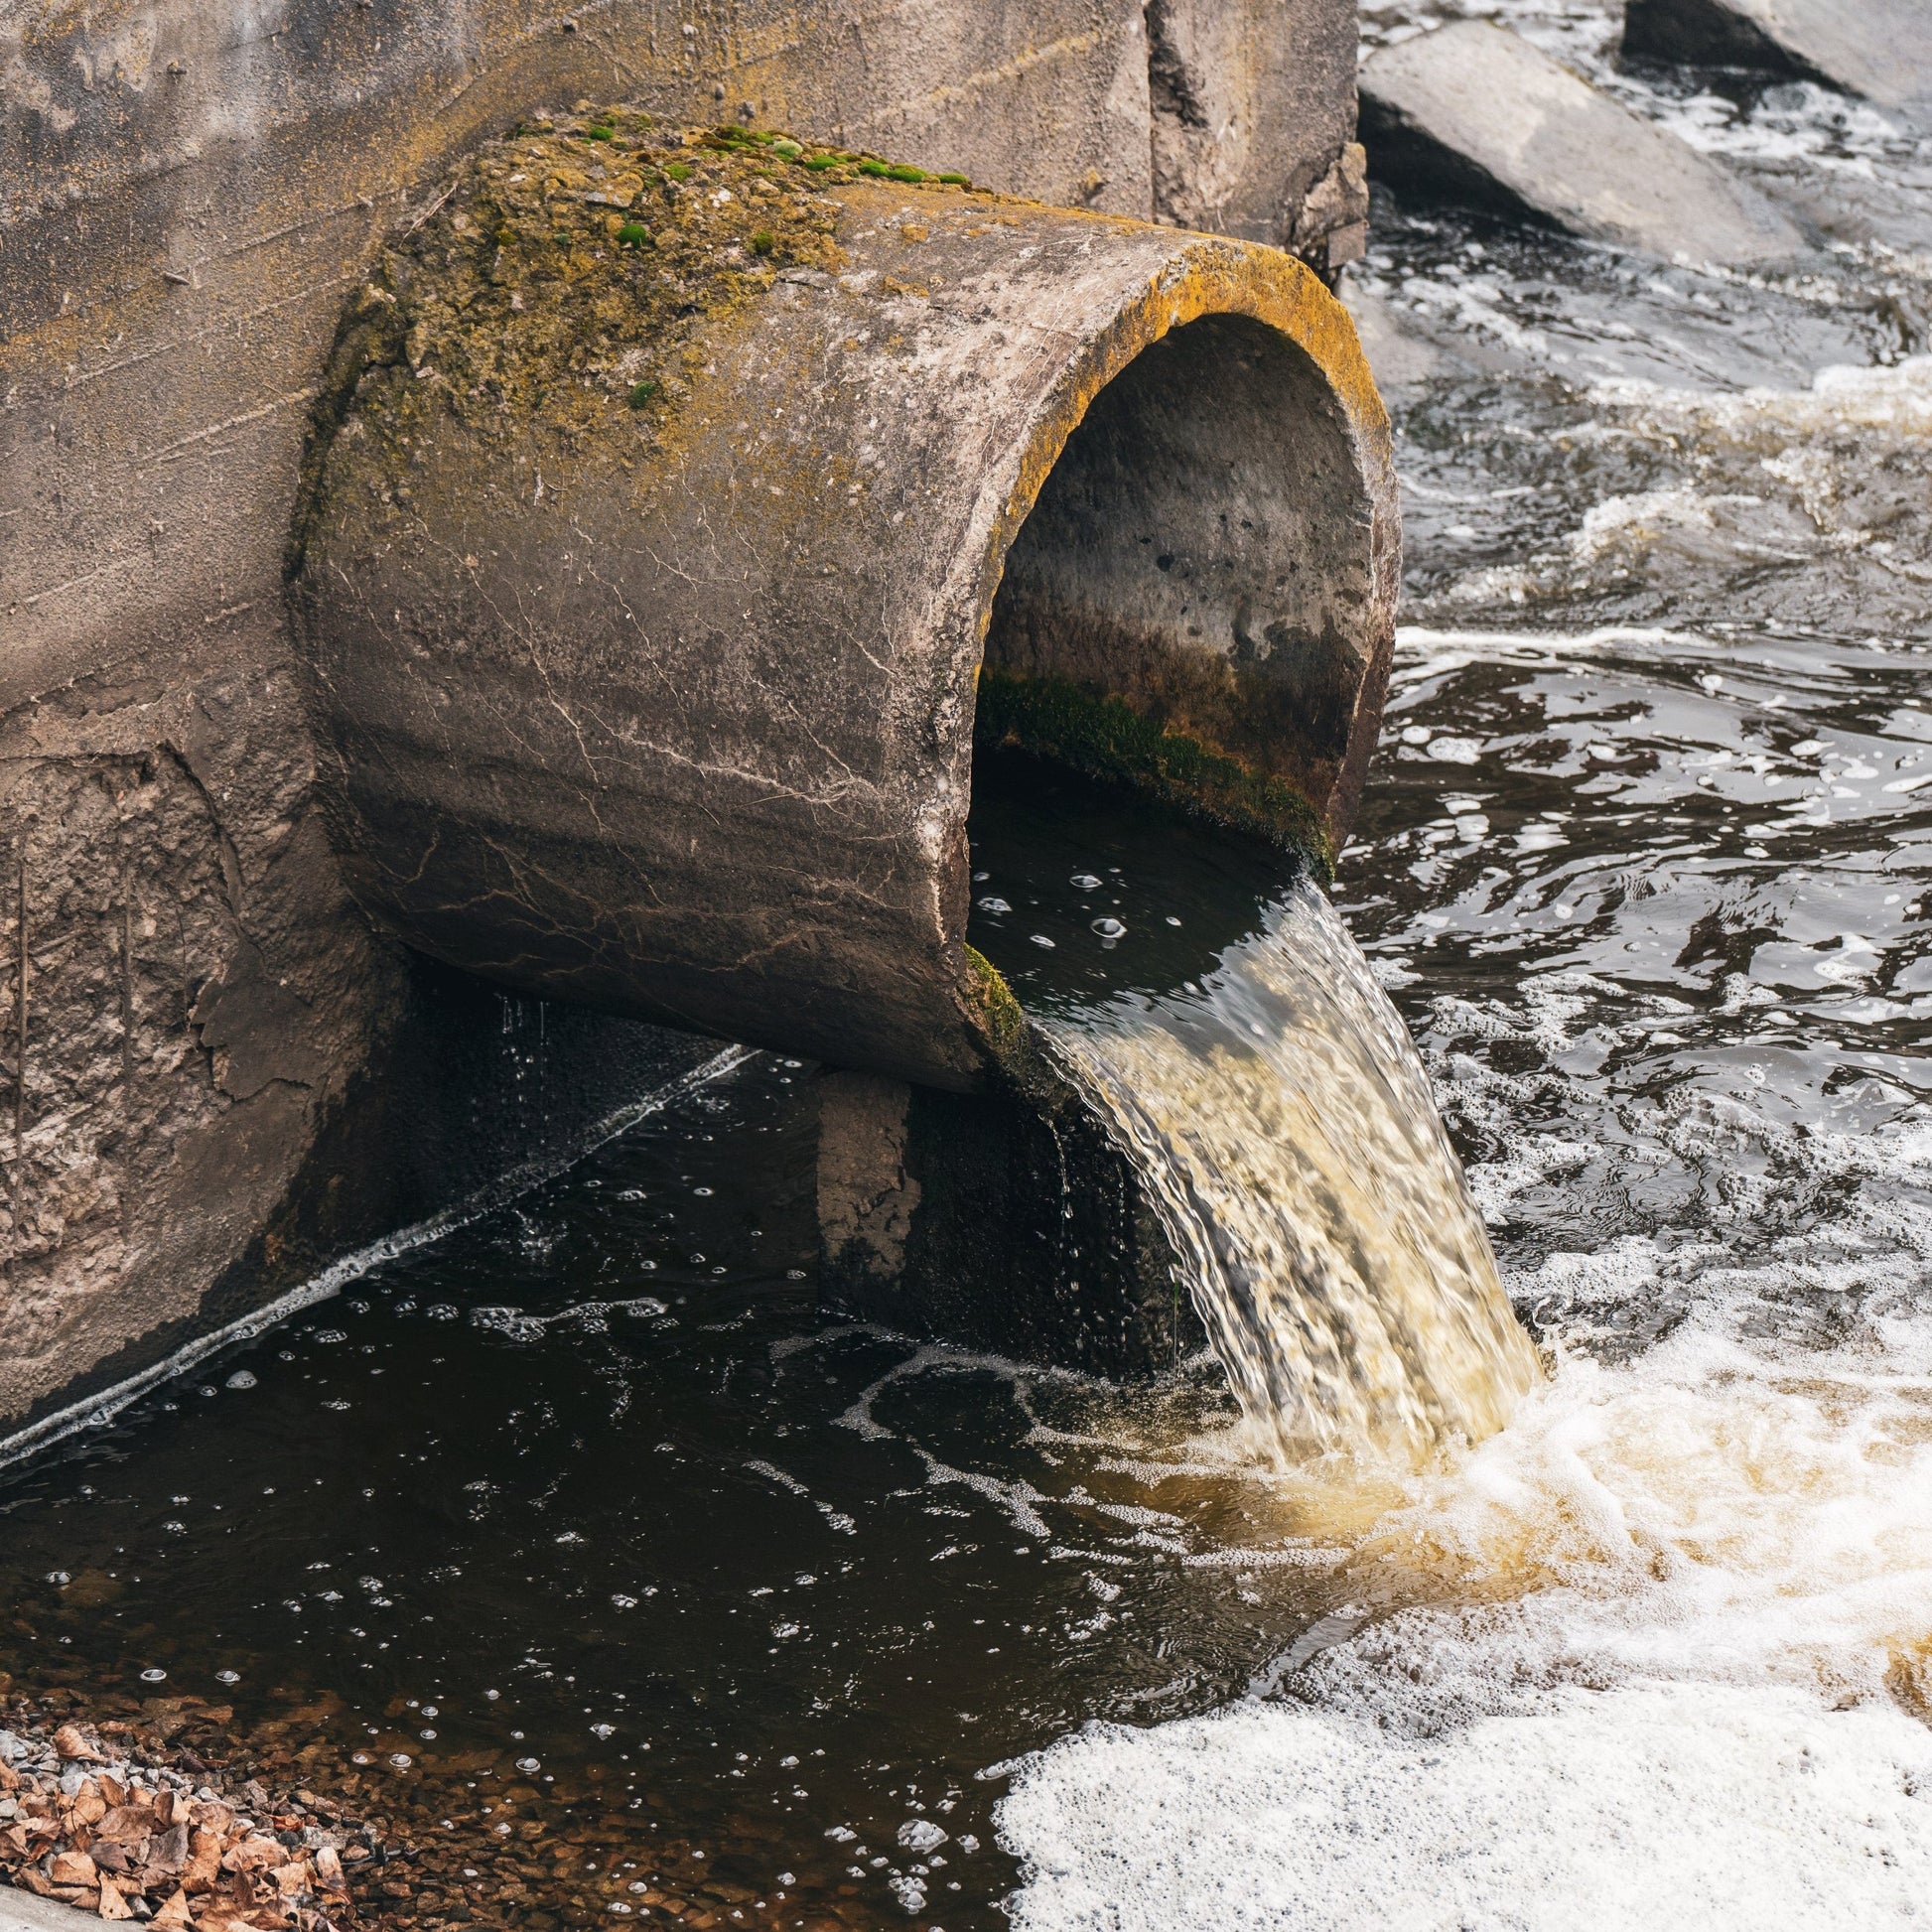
[(1642, 1807), (1675, 1636)]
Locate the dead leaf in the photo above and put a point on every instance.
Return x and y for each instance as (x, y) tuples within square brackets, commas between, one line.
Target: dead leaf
[(69, 1743), (174, 1911), (72, 1869), (112, 1904), (299, 1875), (168, 1850), (254, 1854), (204, 1863)]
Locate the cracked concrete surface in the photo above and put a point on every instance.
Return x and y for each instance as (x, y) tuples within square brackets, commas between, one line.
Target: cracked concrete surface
[(189, 192)]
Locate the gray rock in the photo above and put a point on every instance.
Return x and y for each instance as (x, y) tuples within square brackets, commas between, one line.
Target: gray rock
[(21, 1911), (1880, 48), (1473, 113)]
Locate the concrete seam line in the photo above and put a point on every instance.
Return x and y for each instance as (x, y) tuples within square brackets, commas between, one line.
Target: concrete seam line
[(95, 1411)]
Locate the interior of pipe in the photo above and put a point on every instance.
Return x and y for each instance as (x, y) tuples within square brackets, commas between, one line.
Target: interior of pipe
[(1201, 551)]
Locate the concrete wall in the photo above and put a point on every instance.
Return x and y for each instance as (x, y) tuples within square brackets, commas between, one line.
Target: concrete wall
[(193, 1013)]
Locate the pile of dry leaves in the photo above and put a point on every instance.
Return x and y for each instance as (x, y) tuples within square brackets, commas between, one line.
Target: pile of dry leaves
[(84, 1819)]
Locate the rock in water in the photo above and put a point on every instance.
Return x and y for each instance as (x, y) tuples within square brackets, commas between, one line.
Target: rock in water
[(1472, 113), (1880, 48)]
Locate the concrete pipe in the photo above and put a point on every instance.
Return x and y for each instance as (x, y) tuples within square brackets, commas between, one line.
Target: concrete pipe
[(679, 500)]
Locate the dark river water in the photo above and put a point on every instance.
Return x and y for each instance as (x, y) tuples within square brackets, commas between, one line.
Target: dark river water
[(671, 1588)]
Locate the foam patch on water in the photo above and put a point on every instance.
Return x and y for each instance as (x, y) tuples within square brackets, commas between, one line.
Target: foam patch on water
[(1681, 1679), (1690, 1805)]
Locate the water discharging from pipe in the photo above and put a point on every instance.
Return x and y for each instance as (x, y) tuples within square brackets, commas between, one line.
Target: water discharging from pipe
[(1274, 1104)]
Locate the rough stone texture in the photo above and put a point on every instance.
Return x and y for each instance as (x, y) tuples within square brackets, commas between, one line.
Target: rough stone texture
[(670, 707), (929, 1222), (1254, 122), (1882, 49), (1471, 112), (189, 190)]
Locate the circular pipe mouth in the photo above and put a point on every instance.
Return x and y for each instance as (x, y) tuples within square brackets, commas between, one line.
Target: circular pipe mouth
[(1191, 602), (1199, 599), (650, 597)]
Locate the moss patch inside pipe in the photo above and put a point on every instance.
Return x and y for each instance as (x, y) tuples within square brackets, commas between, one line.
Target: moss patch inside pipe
[(1106, 738)]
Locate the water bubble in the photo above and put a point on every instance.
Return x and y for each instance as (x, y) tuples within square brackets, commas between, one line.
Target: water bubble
[(426, 1733), (1109, 929), (429, 1710), (1085, 881), (175, 1529), (58, 1577), (702, 1192), (240, 1379), (400, 1759), (207, 1388), (360, 1757), (152, 1676), (995, 905), (603, 1730), (921, 1835), (227, 1676), (492, 1696), (1171, 920), (330, 1334), (1041, 939), (623, 1602), (442, 1311), (527, 1763)]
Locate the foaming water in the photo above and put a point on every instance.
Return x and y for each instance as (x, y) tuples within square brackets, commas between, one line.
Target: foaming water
[(1285, 1128), (1646, 865), (1675, 1670), (1232, 1034)]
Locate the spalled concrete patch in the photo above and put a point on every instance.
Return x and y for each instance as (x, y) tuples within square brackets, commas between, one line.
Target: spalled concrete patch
[(1474, 113)]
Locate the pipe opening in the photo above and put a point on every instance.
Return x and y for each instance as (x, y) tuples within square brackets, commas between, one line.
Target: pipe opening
[(1189, 605)]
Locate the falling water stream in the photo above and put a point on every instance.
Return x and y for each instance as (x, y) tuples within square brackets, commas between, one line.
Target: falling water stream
[(586, 1547), (1276, 1109)]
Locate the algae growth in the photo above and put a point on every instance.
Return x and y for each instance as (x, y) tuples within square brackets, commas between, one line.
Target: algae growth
[(560, 283), (1098, 733)]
